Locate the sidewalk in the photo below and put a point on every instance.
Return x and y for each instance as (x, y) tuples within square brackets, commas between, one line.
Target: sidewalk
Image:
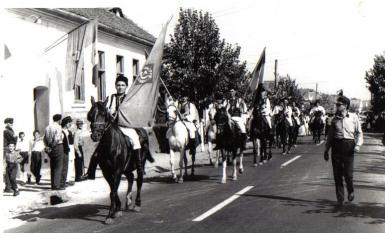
[(33, 197)]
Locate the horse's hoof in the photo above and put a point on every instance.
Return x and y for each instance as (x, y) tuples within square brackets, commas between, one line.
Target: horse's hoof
[(136, 209), (180, 181), (192, 173), (255, 164), (265, 161), (117, 214), (109, 221), (283, 153), (235, 178), (130, 207), (223, 181), (260, 163), (240, 170), (216, 165)]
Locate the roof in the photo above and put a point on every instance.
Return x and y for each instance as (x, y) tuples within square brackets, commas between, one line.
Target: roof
[(109, 20)]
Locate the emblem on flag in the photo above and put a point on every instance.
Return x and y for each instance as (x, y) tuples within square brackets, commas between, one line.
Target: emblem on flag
[(146, 74)]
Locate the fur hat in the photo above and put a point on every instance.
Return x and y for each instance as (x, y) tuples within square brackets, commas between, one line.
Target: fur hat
[(56, 117), (8, 120), (344, 100), (122, 78), (66, 120)]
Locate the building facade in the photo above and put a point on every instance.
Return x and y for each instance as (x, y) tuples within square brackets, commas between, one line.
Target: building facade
[(33, 75)]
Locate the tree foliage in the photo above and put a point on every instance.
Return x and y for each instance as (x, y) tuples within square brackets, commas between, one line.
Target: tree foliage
[(375, 77), (287, 87), (197, 63)]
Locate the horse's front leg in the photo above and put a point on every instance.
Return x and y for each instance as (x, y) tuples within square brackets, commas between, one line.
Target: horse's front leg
[(224, 165), (139, 183), (193, 152), (130, 179), (241, 161), (114, 197), (234, 154), (182, 154), (172, 164), (210, 151)]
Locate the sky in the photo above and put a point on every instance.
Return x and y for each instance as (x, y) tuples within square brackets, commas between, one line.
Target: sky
[(327, 42)]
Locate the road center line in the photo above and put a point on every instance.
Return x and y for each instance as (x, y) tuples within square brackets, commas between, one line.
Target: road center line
[(291, 160), (222, 204)]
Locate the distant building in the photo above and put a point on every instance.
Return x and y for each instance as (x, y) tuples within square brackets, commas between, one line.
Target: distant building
[(36, 82)]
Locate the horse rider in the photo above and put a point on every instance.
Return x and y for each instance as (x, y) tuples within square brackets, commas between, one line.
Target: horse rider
[(264, 104), (317, 108), (121, 84), (190, 117), (235, 108)]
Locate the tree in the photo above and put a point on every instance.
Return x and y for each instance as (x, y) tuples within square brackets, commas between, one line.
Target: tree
[(197, 63), (375, 77), (287, 87)]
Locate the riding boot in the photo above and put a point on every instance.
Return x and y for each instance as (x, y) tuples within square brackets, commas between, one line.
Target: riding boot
[(138, 159), (243, 138)]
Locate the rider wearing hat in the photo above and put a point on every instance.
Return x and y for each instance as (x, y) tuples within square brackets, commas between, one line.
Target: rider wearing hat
[(317, 108), (235, 108), (190, 117), (264, 104)]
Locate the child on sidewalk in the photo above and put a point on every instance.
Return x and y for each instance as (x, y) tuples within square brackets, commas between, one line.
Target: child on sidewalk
[(37, 148), (23, 147), (12, 159)]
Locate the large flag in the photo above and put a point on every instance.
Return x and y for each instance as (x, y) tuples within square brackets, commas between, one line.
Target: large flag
[(139, 105), (78, 42), (257, 75)]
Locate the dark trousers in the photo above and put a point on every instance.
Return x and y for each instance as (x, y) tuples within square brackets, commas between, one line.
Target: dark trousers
[(64, 173), (343, 160), (36, 165), (10, 176), (56, 164), (23, 154), (79, 164)]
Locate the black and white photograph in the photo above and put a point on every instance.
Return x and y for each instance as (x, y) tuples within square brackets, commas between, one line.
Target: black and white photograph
[(181, 116)]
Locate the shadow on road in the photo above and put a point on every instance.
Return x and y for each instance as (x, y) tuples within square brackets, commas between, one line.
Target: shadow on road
[(365, 210), (88, 212)]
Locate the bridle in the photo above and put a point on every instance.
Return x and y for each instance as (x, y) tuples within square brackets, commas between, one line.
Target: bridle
[(99, 122)]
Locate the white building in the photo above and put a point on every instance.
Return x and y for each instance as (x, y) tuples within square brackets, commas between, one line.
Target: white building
[(34, 85)]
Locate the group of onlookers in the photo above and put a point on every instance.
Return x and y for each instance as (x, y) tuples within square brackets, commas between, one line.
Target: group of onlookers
[(61, 145)]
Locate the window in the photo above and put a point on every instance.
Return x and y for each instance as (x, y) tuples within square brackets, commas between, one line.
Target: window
[(135, 68), (119, 65), (101, 82), (79, 90)]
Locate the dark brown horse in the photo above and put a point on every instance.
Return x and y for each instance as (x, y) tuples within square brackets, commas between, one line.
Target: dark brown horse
[(260, 130), (229, 139), (115, 157)]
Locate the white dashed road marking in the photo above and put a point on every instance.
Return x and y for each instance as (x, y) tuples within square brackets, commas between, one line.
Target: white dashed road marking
[(222, 204), (290, 161)]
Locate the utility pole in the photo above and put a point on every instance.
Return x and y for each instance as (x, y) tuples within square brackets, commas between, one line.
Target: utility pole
[(316, 91), (275, 74)]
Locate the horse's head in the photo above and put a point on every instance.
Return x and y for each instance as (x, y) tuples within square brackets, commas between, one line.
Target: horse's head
[(172, 112), (221, 119), (98, 116)]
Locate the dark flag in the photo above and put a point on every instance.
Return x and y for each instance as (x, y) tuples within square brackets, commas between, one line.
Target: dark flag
[(139, 105), (78, 42), (257, 75)]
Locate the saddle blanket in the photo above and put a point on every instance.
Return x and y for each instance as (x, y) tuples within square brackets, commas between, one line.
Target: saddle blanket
[(132, 135)]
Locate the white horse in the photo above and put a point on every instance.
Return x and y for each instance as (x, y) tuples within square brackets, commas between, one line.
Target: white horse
[(178, 138), (211, 133)]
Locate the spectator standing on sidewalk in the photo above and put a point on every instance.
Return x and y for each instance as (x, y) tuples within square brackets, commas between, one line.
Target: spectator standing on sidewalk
[(37, 150), (344, 137), (79, 156), (67, 141), (53, 140), (22, 147), (12, 158), (8, 136)]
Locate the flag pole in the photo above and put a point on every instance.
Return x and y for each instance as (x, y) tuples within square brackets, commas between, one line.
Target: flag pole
[(62, 38), (168, 92)]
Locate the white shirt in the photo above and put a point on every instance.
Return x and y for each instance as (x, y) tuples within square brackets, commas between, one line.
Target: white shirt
[(22, 146), (37, 145)]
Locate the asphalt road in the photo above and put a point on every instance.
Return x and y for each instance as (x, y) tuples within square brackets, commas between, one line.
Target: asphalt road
[(277, 197)]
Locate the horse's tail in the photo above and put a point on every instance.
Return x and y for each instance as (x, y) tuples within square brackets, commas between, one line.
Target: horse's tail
[(149, 156)]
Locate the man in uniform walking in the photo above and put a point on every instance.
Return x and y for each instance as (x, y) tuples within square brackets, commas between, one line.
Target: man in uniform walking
[(345, 138)]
